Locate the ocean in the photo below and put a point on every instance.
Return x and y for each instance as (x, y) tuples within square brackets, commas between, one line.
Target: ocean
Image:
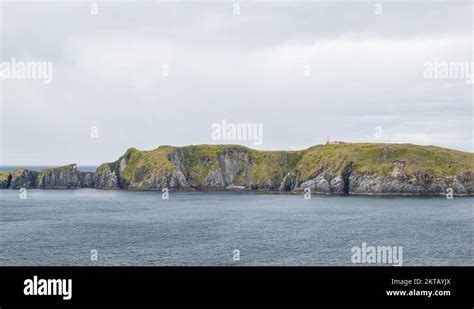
[(106, 227)]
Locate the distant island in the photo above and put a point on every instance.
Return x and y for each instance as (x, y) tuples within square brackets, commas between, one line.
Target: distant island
[(379, 169)]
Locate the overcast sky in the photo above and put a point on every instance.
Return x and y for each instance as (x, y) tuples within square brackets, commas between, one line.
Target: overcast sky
[(366, 72)]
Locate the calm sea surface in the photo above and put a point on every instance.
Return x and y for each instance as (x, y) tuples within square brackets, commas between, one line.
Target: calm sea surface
[(61, 227)]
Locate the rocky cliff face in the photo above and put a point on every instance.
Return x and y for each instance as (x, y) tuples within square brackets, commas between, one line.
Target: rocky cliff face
[(23, 178), (325, 169), (421, 183), (5, 180), (106, 178), (65, 177)]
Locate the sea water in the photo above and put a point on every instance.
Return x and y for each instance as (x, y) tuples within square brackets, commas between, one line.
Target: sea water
[(109, 227)]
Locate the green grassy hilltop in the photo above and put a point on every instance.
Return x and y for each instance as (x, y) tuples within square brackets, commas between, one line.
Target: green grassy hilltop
[(335, 168), (378, 158), (200, 160)]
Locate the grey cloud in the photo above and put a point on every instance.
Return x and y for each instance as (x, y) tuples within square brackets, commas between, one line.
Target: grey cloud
[(366, 72)]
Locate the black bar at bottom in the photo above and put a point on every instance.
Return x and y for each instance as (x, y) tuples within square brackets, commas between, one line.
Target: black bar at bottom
[(241, 285)]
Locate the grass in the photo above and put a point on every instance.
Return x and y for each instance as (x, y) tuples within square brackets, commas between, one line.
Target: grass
[(4, 176), (258, 165), (200, 160), (52, 169), (274, 165), (146, 162), (378, 159), (17, 173)]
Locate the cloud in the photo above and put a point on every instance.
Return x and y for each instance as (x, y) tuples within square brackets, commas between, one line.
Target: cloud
[(366, 72)]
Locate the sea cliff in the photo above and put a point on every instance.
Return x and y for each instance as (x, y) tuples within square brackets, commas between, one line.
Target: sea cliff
[(391, 169)]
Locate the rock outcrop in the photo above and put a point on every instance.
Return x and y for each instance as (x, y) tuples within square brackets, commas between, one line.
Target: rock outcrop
[(23, 178), (65, 177), (106, 177), (403, 169), (5, 180)]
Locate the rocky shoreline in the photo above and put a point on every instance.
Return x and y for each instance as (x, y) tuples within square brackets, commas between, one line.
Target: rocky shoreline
[(359, 169)]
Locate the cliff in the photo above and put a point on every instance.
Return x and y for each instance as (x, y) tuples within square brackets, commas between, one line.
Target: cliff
[(326, 169), (64, 177)]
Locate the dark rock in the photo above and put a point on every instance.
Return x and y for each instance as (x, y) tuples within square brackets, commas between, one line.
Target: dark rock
[(23, 178), (65, 177), (5, 180), (288, 183)]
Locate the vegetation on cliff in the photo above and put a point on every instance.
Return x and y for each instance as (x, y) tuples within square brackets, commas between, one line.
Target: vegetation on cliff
[(335, 168), (379, 158), (404, 168)]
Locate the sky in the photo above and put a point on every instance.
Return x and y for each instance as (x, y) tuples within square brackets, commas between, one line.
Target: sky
[(304, 70)]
